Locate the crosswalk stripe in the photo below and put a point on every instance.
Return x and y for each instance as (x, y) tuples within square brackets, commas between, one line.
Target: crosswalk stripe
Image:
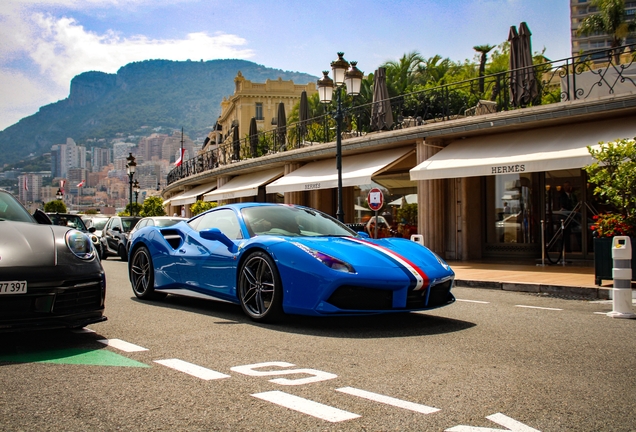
[(388, 400), (538, 307), (192, 369), (122, 345), (306, 406)]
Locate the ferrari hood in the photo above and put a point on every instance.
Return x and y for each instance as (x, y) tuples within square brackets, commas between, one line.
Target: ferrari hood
[(25, 244)]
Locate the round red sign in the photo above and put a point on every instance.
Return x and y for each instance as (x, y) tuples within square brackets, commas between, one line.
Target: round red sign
[(375, 199)]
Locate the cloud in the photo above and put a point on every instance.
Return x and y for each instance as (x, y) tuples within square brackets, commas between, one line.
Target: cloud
[(64, 48), (40, 54)]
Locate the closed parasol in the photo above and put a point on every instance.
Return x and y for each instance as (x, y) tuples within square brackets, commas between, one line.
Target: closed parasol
[(253, 137), (281, 127), (381, 115)]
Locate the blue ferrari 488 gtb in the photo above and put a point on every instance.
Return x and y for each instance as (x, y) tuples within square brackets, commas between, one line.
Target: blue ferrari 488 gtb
[(275, 258)]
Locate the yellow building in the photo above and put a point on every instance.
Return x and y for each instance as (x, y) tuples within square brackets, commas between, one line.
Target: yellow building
[(258, 100)]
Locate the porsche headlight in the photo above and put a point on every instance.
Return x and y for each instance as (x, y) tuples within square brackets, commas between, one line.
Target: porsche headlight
[(79, 244), (328, 260)]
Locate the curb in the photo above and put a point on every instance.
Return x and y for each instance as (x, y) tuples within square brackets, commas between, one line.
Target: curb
[(592, 293)]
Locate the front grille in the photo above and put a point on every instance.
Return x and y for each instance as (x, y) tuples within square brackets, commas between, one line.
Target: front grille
[(438, 295), (78, 299), (358, 298)]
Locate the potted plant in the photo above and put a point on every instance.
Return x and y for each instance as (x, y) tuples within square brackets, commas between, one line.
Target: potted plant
[(613, 175)]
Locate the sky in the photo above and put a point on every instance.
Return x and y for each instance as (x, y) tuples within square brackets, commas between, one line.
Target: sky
[(45, 43)]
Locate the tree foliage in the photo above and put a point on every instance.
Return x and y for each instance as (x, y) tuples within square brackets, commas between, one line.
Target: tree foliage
[(201, 206), (614, 175), (55, 206), (152, 206), (610, 20)]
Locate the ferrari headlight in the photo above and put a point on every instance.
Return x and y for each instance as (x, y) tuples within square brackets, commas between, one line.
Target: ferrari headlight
[(79, 244), (328, 260), (441, 261)]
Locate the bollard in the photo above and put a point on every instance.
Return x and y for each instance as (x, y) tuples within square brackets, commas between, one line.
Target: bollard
[(622, 275)]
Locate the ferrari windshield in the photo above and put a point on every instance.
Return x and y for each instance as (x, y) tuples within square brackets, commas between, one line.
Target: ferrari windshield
[(12, 210), (291, 221)]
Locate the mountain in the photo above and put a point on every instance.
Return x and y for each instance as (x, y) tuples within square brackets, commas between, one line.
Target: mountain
[(171, 94)]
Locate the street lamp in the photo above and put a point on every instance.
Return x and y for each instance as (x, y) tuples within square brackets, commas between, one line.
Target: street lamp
[(130, 170), (59, 194), (137, 189), (347, 75)]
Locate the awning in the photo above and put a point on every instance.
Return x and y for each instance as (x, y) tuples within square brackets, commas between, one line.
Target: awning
[(243, 185), (190, 196), (356, 170), (546, 149)]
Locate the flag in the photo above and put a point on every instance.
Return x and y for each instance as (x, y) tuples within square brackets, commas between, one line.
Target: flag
[(62, 183), (180, 160), (80, 184), (26, 183)]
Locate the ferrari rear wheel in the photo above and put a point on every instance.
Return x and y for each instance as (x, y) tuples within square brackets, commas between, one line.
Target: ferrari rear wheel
[(142, 275), (260, 289)]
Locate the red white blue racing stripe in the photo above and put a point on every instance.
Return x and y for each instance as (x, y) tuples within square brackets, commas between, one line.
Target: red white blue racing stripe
[(421, 280)]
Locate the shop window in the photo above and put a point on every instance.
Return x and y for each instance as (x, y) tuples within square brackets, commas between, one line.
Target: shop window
[(513, 216)]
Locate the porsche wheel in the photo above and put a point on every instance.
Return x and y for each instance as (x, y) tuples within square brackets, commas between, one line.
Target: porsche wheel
[(142, 275), (260, 289)]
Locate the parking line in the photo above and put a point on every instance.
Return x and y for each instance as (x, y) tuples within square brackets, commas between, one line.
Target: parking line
[(537, 307), (192, 369), (388, 400), (305, 406), (122, 345), (472, 301)]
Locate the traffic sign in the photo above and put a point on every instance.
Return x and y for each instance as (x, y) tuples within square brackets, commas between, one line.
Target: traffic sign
[(375, 199)]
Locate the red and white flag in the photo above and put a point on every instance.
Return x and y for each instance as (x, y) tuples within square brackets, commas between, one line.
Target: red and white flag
[(26, 183), (80, 184), (62, 183), (179, 161)]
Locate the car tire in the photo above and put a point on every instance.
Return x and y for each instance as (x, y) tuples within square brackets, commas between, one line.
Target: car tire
[(142, 275), (103, 252), (121, 251), (260, 290)]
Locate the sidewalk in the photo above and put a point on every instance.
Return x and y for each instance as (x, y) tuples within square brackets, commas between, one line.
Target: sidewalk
[(557, 280)]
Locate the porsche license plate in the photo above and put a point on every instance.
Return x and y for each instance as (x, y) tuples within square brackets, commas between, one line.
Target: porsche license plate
[(13, 287)]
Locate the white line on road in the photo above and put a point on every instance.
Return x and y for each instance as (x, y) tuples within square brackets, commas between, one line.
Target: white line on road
[(472, 301), (537, 307), (306, 406), (192, 369), (388, 400), (122, 345)]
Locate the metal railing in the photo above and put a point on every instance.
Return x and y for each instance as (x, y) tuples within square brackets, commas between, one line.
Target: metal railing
[(603, 72)]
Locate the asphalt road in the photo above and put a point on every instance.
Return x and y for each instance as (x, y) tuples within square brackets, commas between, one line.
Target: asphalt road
[(495, 360)]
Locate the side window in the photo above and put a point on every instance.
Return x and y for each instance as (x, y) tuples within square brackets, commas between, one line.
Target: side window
[(224, 220), (142, 224), (116, 224)]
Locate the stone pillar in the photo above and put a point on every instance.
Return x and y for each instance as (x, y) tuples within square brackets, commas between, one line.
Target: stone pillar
[(431, 201)]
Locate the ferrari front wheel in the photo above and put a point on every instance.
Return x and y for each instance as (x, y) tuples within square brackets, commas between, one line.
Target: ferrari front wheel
[(260, 289), (142, 275)]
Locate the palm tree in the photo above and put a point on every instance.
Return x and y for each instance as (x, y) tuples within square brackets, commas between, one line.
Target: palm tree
[(609, 20), (401, 74), (483, 50)]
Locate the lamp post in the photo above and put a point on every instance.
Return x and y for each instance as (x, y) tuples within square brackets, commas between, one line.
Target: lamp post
[(130, 170), (345, 75), (137, 189), (59, 194)]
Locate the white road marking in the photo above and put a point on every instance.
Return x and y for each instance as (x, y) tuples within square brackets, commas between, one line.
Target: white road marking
[(600, 313), (192, 369), (472, 301), (388, 400), (503, 420), (315, 375), (122, 345), (305, 406), (537, 307)]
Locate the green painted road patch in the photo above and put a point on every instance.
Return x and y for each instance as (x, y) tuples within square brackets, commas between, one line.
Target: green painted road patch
[(74, 356)]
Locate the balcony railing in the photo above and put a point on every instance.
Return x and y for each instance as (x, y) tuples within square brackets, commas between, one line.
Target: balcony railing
[(592, 75)]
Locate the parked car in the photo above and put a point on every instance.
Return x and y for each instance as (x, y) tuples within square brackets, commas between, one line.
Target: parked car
[(75, 221), (50, 276), (159, 221), (274, 259), (115, 236)]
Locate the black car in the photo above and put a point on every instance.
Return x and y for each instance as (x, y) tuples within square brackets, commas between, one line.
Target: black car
[(50, 276), (115, 236), (75, 221)]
